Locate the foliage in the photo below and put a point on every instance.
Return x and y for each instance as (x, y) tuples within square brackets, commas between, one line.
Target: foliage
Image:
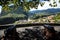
[(59, 1), (26, 5), (57, 18), (11, 18)]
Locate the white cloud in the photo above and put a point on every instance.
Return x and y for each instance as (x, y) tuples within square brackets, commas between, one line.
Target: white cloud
[(11, 4), (31, 9), (0, 9), (44, 7)]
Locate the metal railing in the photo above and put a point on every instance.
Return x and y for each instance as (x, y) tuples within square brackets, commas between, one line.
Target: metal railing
[(28, 25)]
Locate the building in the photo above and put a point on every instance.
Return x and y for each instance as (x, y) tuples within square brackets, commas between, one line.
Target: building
[(50, 17)]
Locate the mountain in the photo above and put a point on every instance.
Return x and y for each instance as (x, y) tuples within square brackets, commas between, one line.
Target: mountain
[(48, 11), (17, 10)]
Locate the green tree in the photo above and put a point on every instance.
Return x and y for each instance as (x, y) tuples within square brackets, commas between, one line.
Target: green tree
[(26, 5)]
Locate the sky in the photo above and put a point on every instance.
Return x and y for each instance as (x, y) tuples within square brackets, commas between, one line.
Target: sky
[(46, 5), (0, 9)]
